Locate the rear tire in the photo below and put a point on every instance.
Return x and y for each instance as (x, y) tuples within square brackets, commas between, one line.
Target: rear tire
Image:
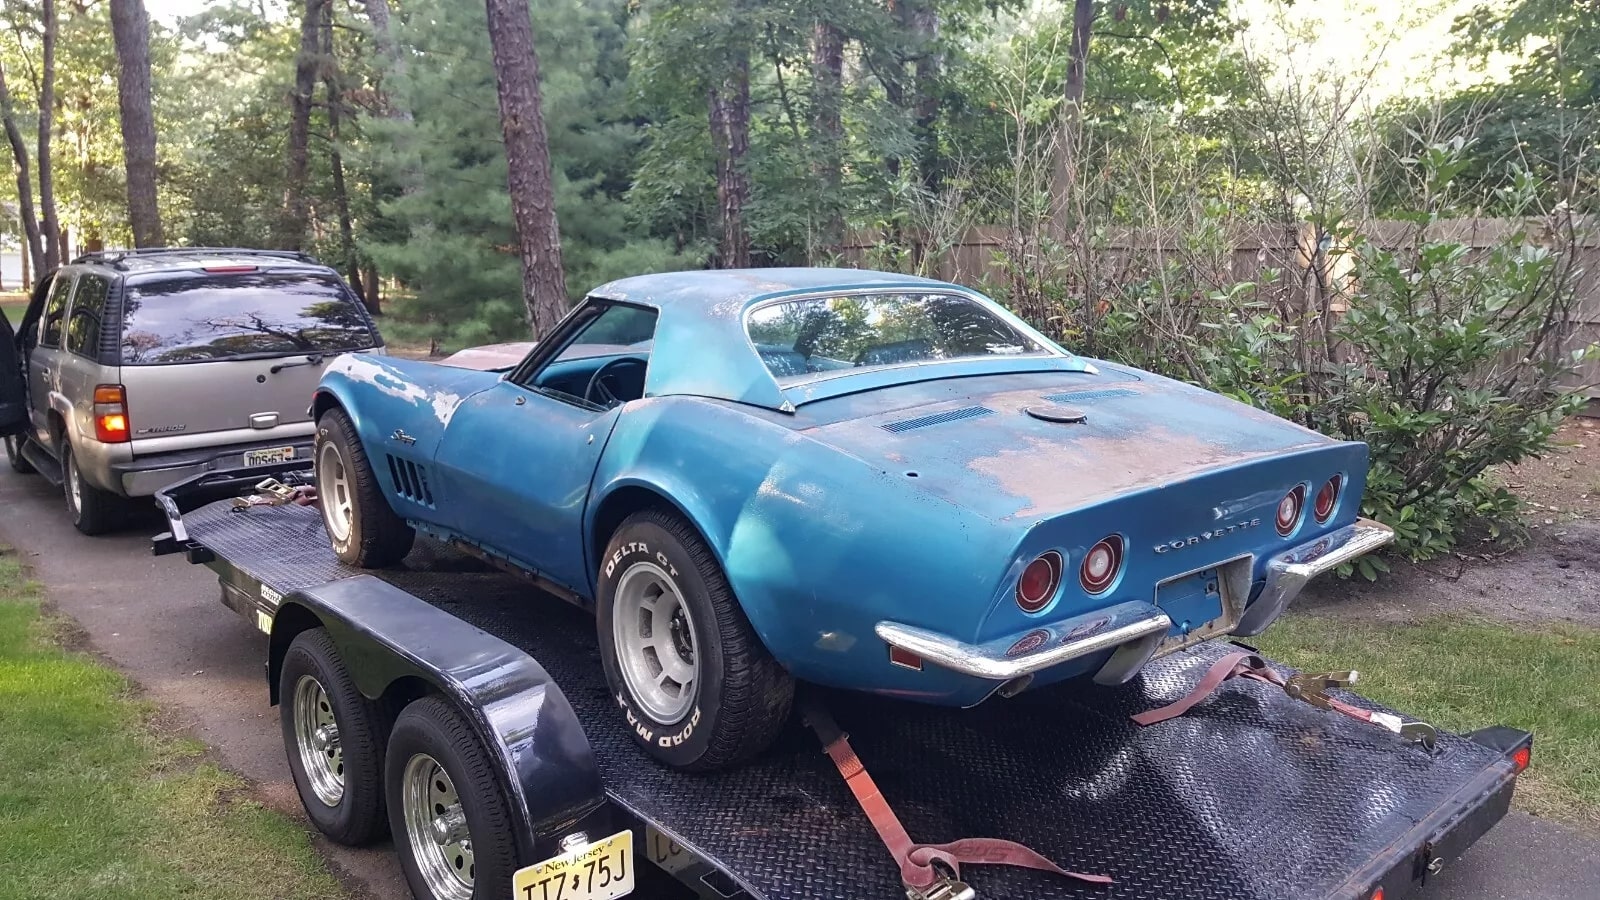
[(666, 614), (339, 772), (443, 791), (19, 463), (361, 525), (93, 511)]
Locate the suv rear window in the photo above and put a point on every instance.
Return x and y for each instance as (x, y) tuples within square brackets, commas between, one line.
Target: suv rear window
[(213, 317)]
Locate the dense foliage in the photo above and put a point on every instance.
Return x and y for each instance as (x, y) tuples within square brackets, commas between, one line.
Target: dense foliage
[(1123, 150)]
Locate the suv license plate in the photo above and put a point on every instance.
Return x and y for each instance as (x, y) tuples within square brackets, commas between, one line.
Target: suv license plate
[(267, 457), (601, 870)]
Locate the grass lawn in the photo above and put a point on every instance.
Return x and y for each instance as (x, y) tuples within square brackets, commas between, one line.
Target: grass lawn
[(12, 307), (96, 803), (1462, 675)]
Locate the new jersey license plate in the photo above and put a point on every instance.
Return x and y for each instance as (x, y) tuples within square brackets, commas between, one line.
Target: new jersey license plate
[(601, 870), (268, 456)]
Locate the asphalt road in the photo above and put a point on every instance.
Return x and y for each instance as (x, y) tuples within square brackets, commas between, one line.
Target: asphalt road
[(159, 620)]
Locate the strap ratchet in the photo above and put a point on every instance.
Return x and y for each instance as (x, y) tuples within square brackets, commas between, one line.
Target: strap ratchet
[(272, 492)]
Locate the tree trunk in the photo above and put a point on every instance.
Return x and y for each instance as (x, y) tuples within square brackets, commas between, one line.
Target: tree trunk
[(926, 76), (19, 153), (730, 130), (341, 196), (51, 225), (827, 123), (293, 223), (374, 297), (529, 175), (1066, 163), (130, 28)]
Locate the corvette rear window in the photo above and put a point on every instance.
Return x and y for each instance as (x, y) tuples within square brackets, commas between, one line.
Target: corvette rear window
[(798, 339), (194, 319)]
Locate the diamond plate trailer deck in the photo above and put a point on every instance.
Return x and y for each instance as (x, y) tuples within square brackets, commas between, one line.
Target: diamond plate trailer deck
[(1250, 796)]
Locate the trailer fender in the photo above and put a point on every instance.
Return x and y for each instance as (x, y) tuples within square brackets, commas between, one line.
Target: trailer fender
[(386, 636)]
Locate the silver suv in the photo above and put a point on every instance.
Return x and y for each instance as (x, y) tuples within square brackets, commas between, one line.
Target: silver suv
[(136, 369)]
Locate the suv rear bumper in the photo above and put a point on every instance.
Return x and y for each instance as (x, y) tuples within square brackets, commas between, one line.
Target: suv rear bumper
[(143, 476)]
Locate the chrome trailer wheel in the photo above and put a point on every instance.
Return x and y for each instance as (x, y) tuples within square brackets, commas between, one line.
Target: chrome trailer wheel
[(436, 827), (655, 644), (316, 737)]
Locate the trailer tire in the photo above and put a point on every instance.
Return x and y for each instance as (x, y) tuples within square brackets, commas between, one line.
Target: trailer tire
[(430, 815), (363, 529), (340, 775), (93, 510), (19, 463), (740, 697)]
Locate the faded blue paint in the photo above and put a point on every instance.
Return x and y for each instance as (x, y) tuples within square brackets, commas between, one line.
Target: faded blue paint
[(825, 521)]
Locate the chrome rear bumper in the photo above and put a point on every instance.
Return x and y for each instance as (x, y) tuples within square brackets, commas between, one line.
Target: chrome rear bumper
[(1135, 629)]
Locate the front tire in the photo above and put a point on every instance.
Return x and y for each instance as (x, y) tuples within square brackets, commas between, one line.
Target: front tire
[(19, 463), (697, 686), (450, 820), (334, 737), (362, 527), (93, 511)]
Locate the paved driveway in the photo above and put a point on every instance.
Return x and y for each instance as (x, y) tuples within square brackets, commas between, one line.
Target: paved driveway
[(160, 621)]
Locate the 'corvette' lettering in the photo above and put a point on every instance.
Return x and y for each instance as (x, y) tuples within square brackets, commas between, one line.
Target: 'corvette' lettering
[(1204, 536)]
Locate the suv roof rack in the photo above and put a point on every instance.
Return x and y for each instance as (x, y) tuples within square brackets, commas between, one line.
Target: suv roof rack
[(114, 257)]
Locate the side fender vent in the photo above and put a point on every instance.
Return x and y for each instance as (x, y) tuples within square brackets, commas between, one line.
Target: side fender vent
[(410, 480), (954, 415), (1080, 396)]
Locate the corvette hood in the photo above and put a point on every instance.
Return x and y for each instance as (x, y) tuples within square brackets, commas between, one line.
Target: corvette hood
[(1035, 452)]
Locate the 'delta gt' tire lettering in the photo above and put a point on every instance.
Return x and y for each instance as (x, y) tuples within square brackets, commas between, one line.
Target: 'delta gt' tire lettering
[(696, 686)]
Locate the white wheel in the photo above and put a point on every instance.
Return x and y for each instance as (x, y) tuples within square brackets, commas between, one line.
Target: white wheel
[(655, 642), (333, 490)]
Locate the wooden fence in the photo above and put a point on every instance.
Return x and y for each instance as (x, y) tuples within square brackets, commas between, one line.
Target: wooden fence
[(973, 259)]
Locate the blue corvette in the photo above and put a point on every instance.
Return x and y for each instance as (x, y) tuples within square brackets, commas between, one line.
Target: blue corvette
[(865, 480)]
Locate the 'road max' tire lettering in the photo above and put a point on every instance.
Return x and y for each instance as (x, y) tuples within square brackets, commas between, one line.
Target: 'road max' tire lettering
[(673, 740), (645, 732)]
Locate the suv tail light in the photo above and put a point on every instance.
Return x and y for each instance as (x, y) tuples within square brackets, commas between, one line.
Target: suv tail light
[(111, 414)]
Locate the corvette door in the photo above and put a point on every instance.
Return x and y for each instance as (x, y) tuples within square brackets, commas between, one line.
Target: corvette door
[(518, 458)]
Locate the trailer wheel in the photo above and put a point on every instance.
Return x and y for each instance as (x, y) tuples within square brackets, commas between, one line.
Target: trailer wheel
[(362, 527), (334, 736), (697, 686), (19, 463), (450, 819)]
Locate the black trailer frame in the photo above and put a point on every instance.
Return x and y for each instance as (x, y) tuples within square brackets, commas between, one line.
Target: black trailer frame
[(1250, 796)]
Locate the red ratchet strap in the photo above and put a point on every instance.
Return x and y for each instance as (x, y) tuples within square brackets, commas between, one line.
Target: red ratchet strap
[(1245, 664), (916, 861), (1238, 664)]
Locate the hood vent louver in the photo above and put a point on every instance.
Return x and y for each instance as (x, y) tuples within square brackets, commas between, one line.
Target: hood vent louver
[(954, 415), (1080, 396)]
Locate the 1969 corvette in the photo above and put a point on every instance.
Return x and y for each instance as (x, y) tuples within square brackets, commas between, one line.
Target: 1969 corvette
[(864, 480)]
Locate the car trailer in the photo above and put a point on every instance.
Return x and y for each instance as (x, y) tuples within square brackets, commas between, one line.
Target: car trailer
[(1250, 795)]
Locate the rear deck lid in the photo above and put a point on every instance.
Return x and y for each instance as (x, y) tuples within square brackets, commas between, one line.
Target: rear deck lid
[(209, 351)]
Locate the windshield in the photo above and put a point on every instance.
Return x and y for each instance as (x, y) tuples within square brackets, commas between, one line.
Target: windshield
[(228, 316), (800, 338)]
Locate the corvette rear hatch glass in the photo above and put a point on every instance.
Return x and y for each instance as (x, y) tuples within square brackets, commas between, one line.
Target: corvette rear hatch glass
[(259, 314), (816, 336)]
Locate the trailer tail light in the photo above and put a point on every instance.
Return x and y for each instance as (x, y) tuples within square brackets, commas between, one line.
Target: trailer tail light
[(110, 414), (1289, 510), (1377, 894), (1039, 581), (1327, 498), (1101, 565), (1522, 757)]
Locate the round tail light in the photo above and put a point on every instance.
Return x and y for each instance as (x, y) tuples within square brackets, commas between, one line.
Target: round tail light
[(1327, 497), (1039, 582), (1101, 565), (1289, 510)]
